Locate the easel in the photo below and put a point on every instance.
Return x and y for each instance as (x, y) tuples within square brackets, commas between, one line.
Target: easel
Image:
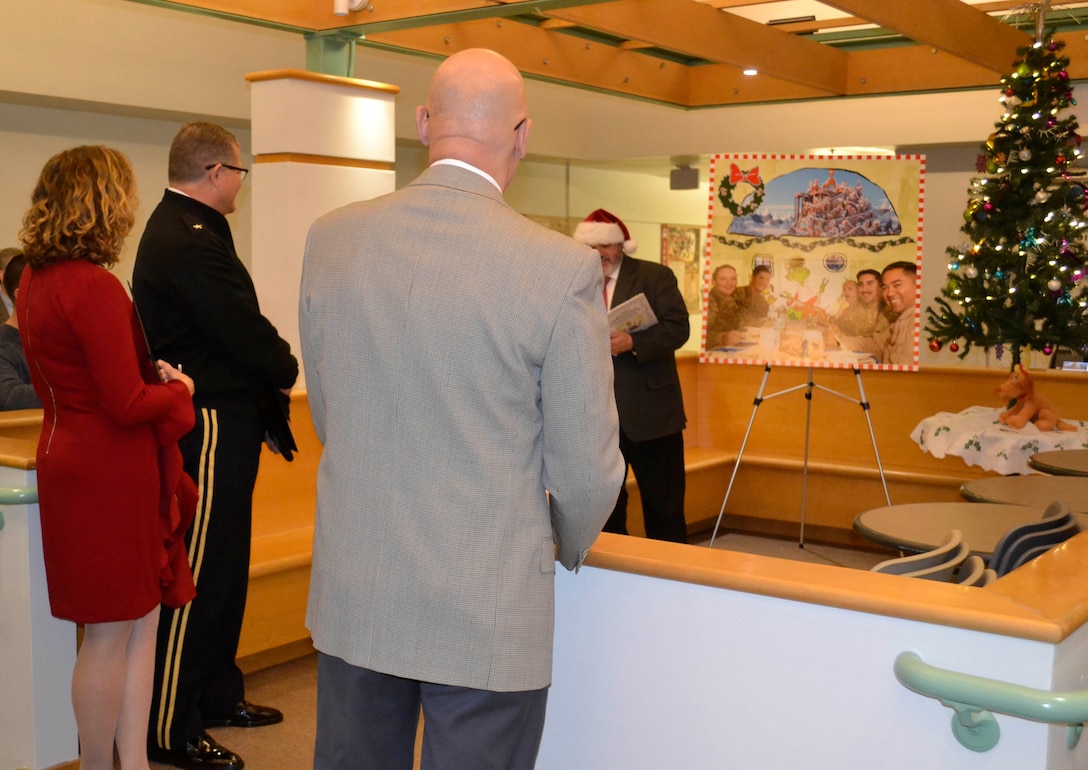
[(808, 387)]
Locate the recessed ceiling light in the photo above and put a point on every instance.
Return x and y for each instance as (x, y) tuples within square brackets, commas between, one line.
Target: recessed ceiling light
[(749, 72)]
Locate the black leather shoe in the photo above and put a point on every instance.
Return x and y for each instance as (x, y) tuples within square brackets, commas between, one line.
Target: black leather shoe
[(246, 714), (201, 752)]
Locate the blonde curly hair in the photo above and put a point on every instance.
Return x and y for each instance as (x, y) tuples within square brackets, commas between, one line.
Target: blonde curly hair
[(83, 207)]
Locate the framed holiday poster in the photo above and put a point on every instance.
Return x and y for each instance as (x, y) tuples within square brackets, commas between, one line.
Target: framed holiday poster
[(680, 253), (814, 260)]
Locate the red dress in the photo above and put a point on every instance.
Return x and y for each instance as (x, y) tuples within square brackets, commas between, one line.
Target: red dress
[(110, 489)]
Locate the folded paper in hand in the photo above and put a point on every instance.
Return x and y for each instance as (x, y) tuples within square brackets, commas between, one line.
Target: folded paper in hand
[(634, 315)]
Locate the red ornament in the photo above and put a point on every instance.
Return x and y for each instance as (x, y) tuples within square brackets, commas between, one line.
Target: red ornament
[(954, 347), (935, 345), (1060, 160)]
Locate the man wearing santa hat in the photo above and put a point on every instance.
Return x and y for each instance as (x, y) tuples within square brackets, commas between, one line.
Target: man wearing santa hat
[(648, 398)]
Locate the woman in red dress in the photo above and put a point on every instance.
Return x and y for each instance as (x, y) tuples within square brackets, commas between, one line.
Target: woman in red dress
[(110, 488)]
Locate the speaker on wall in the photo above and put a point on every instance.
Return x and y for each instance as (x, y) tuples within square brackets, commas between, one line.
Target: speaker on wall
[(684, 178)]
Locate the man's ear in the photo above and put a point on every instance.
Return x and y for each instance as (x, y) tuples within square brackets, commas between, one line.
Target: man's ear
[(521, 142), (423, 128)]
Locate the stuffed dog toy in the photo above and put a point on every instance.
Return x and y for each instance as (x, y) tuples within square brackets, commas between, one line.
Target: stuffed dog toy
[(1025, 405)]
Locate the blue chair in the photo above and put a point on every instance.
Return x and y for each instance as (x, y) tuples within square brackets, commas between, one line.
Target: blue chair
[(1023, 543), (938, 564)]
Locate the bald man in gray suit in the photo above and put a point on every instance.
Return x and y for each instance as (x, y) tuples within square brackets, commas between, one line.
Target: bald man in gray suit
[(458, 371)]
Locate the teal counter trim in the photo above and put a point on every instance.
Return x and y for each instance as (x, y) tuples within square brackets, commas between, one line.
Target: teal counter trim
[(973, 698), (16, 496)]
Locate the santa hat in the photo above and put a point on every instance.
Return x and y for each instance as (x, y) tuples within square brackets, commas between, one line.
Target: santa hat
[(602, 228)]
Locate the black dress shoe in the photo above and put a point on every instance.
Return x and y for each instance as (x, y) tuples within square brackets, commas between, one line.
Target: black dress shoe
[(201, 752), (246, 714)]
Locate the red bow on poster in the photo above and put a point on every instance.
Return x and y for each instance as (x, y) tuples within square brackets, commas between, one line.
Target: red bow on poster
[(736, 175)]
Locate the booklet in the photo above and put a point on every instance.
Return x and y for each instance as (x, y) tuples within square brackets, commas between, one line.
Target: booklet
[(631, 316)]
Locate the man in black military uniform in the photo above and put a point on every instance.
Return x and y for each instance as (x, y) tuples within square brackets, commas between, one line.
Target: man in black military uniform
[(200, 313)]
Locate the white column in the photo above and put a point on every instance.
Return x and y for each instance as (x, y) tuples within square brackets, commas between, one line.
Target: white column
[(320, 142), (37, 651)]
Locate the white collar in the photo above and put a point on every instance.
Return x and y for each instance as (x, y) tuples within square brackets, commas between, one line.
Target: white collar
[(468, 166)]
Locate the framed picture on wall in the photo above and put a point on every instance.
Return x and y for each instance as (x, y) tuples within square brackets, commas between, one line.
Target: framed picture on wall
[(680, 252), (814, 261)]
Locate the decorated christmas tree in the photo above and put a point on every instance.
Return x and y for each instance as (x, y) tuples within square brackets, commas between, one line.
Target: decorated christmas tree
[(1017, 284)]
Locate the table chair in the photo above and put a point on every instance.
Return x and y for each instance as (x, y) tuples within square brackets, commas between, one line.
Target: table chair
[(937, 564), (1023, 543)]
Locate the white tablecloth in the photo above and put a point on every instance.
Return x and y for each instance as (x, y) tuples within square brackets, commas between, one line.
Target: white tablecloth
[(979, 439)]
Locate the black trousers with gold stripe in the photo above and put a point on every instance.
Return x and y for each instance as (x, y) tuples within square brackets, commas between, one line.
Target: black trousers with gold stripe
[(195, 672)]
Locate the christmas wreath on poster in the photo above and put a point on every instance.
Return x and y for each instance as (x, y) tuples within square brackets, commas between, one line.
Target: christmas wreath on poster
[(749, 204)]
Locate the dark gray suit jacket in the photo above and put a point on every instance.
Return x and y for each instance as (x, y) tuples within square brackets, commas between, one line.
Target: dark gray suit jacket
[(647, 386)]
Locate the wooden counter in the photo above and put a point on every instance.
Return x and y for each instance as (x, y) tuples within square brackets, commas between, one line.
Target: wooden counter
[(1043, 601)]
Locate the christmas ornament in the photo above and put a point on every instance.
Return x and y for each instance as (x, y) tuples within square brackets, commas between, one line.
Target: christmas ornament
[(954, 347), (1047, 350), (971, 271), (935, 345), (1054, 284)]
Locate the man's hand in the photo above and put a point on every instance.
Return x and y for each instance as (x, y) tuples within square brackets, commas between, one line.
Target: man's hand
[(621, 342)]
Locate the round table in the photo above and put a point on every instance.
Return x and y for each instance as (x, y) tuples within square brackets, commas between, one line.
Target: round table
[(1064, 462), (1033, 490), (977, 437), (919, 527)]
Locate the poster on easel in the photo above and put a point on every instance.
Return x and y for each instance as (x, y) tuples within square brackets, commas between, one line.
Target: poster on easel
[(814, 260)]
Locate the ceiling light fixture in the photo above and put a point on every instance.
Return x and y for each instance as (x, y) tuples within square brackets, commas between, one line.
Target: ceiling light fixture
[(750, 71), (791, 20)]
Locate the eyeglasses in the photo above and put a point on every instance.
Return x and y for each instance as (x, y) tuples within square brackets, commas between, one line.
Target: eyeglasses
[(239, 169), (521, 123)]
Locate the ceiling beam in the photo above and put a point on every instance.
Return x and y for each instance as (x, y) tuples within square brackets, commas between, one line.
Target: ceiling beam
[(318, 16), (404, 14), (699, 31), (551, 56), (719, 85), (904, 69), (949, 25)]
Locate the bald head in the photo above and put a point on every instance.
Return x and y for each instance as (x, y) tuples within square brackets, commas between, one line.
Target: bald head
[(476, 113)]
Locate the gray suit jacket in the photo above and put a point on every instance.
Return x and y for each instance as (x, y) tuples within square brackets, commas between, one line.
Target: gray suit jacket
[(457, 366)]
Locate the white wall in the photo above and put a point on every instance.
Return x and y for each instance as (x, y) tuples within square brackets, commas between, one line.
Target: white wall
[(653, 673)]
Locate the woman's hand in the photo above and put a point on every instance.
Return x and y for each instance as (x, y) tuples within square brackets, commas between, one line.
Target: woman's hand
[(168, 372)]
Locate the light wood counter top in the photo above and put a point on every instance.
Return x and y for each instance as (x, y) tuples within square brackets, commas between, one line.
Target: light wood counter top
[(19, 429), (1043, 601)]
